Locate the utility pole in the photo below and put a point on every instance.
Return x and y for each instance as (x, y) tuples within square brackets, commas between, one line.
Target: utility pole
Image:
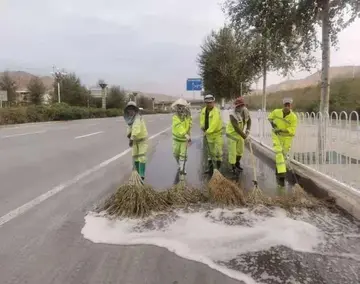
[(153, 103), (58, 76), (103, 86)]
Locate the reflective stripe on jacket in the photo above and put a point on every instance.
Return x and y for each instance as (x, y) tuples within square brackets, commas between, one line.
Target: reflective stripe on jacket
[(138, 129), (215, 121), (288, 122), (181, 127)]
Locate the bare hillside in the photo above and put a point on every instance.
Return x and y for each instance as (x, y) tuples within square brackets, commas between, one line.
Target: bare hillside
[(22, 79), (336, 72)]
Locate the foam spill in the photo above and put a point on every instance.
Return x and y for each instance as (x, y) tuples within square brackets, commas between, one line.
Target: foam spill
[(209, 237)]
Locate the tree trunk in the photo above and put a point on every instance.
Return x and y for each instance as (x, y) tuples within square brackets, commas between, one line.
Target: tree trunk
[(325, 81)]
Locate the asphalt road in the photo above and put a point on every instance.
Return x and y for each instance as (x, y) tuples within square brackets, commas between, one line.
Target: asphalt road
[(51, 174)]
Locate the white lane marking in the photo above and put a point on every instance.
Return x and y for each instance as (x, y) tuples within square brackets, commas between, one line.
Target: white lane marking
[(92, 124), (23, 134), (87, 135), (38, 200)]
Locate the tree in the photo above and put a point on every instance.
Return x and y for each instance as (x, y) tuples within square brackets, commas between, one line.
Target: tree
[(116, 97), (291, 27), (72, 91), (144, 102), (266, 27), (9, 85), (225, 65), (36, 90)]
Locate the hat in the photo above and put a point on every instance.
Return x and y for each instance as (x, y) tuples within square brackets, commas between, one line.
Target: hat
[(180, 102), (209, 98), (239, 102), (287, 100), (131, 104)]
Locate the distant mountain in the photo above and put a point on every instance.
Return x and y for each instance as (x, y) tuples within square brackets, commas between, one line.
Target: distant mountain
[(22, 79), (336, 72)]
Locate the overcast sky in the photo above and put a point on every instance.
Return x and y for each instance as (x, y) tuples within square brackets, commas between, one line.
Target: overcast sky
[(147, 45)]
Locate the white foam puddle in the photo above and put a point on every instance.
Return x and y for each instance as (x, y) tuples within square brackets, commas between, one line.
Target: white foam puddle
[(209, 237)]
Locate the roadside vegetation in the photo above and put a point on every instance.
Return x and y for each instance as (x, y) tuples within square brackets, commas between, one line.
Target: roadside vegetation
[(76, 101)]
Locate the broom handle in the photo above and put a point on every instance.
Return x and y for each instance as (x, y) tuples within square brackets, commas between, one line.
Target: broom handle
[(253, 161)]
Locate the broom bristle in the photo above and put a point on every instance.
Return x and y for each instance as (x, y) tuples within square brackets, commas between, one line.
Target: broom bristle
[(298, 198), (256, 197), (223, 191), (135, 200)]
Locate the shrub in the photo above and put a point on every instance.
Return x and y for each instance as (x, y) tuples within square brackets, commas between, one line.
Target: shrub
[(58, 112)]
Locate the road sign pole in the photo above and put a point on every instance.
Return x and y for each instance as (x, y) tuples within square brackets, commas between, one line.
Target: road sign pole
[(58, 85)]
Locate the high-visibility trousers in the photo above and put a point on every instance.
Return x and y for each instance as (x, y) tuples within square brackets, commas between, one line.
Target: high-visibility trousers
[(215, 147), (139, 151), (281, 146), (235, 148), (179, 150)]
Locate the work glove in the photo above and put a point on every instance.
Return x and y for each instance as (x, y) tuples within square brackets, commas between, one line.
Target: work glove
[(247, 132), (188, 138), (129, 135), (277, 131), (131, 142)]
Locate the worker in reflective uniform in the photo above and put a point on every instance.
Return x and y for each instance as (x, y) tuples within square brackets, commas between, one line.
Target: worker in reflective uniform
[(284, 123), (181, 128), (137, 134), (236, 133), (211, 124)]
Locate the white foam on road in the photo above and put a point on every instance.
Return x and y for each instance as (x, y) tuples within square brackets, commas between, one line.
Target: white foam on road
[(204, 237), (23, 134), (41, 198), (88, 135)]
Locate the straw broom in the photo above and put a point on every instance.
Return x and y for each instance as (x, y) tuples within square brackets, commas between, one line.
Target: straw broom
[(221, 190), (135, 199), (256, 195), (181, 194)]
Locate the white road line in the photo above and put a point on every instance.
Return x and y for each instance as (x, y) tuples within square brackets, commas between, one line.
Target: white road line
[(23, 134), (87, 135), (40, 199)]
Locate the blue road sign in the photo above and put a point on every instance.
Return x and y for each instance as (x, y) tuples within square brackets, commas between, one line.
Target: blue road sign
[(194, 84)]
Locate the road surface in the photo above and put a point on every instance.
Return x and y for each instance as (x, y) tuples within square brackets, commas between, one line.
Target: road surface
[(51, 174), (55, 173)]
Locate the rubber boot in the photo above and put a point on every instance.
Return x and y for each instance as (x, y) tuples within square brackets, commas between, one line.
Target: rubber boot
[(280, 178), (233, 169), (142, 167), (218, 165), (210, 168), (237, 164), (137, 167)]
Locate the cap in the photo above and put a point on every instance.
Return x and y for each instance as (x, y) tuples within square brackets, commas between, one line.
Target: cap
[(287, 100), (209, 98)]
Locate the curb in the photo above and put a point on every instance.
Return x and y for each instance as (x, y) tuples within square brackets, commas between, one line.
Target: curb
[(345, 196)]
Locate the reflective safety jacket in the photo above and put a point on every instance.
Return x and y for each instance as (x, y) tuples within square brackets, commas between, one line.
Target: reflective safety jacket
[(138, 129), (288, 122), (215, 122), (242, 118), (181, 127)]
